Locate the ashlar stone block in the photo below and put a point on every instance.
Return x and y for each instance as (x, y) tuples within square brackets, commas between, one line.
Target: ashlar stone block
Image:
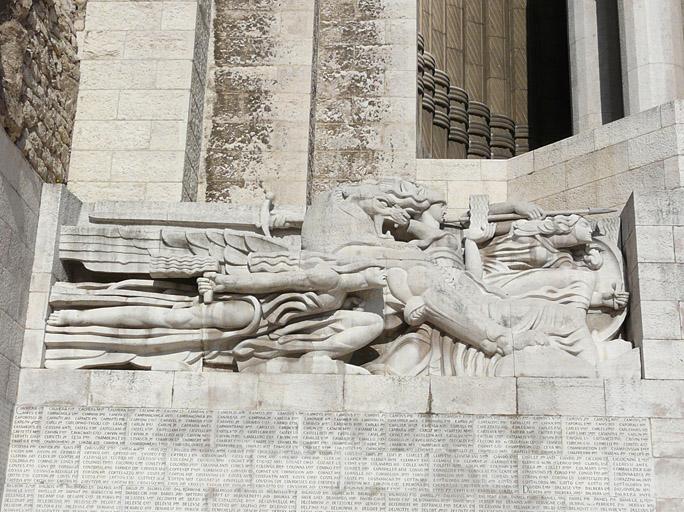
[(552, 397), (473, 395)]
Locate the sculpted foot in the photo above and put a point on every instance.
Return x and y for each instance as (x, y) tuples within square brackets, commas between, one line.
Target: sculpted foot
[(59, 318)]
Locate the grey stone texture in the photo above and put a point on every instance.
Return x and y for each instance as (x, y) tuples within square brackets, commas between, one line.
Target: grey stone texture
[(364, 109), (651, 235), (603, 166), (40, 74), (259, 124), (137, 129), (20, 192)]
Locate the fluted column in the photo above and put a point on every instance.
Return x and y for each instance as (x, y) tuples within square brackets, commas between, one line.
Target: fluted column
[(652, 46), (584, 65)]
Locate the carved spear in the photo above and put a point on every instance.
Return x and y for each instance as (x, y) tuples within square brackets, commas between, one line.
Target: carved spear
[(463, 221)]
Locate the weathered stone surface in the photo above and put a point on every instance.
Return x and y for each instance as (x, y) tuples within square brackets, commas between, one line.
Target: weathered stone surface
[(645, 398), (668, 437), (669, 478), (385, 394), (572, 397), (40, 74), (472, 395)]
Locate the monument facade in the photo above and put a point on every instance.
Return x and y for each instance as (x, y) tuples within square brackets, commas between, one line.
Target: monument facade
[(320, 255)]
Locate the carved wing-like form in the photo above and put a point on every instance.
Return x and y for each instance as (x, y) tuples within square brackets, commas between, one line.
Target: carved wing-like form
[(161, 253)]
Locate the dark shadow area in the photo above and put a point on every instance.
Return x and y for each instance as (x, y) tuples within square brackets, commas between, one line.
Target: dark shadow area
[(610, 65), (548, 72)]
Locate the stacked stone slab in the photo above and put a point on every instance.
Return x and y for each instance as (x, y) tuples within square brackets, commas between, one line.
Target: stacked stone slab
[(134, 101), (259, 140)]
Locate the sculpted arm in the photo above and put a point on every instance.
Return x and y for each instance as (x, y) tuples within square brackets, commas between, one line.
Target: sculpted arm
[(319, 279)]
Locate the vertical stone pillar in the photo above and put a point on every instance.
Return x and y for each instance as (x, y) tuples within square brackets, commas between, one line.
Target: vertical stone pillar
[(519, 112), (652, 52), (133, 106), (584, 65)]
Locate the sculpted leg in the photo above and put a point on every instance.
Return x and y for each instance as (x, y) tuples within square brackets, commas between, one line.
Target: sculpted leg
[(130, 317), (443, 307)]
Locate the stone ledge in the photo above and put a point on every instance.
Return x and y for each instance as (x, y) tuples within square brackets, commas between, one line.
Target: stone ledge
[(353, 393)]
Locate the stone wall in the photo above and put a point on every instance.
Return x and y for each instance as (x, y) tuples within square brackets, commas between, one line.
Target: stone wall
[(39, 74), (653, 236), (603, 166), (305, 443), (134, 100), (259, 138), (20, 190), (365, 103)]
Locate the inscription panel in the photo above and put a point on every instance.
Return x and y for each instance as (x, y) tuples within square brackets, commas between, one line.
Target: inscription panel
[(83, 459)]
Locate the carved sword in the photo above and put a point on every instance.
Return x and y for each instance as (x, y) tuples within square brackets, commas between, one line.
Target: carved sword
[(464, 221)]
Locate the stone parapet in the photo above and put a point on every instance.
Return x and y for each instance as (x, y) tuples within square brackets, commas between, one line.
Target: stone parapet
[(353, 393)]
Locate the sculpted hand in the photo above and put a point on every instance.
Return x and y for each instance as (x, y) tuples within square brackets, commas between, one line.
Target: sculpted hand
[(479, 235), (206, 285), (529, 210), (400, 217), (615, 299)]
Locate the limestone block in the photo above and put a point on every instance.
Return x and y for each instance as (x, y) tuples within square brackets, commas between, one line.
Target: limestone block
[(98, 44), (124, 16), (520, 165), (296, 25), (215, 391), (674, 169), (147, 166), (161, 45), (669, 505), (614, 191), (459, 192), (97, 104), (157, 104), (596, 165), (173, 74), (90, 165), (563, 150), (546, 362), (168, 135), (375, 393), (473, 395), (672, 113), (169, 192), (494, 170), (679, 243), (660, 319), (32, 354), (553, 397), (663, 359), (118, 74), (38, 387), (629, 127), (540, 183), (179, 16), (667, 437), (496, 190), (661, 282), (669, 478), (89, 191), (37, 310), (655, 244), (41, 282), (94, 135), (652, 147), (292, 392), (645, 398), (121, 388)]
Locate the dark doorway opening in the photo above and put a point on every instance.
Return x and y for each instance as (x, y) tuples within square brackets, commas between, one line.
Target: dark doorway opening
[(610, 67), (548, 72)]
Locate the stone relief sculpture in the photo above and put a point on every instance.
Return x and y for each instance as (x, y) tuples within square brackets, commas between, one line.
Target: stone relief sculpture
[(376, 283)]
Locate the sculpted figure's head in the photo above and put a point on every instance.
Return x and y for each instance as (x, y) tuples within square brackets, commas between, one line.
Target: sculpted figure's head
[(394, 200), (563, 231)]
